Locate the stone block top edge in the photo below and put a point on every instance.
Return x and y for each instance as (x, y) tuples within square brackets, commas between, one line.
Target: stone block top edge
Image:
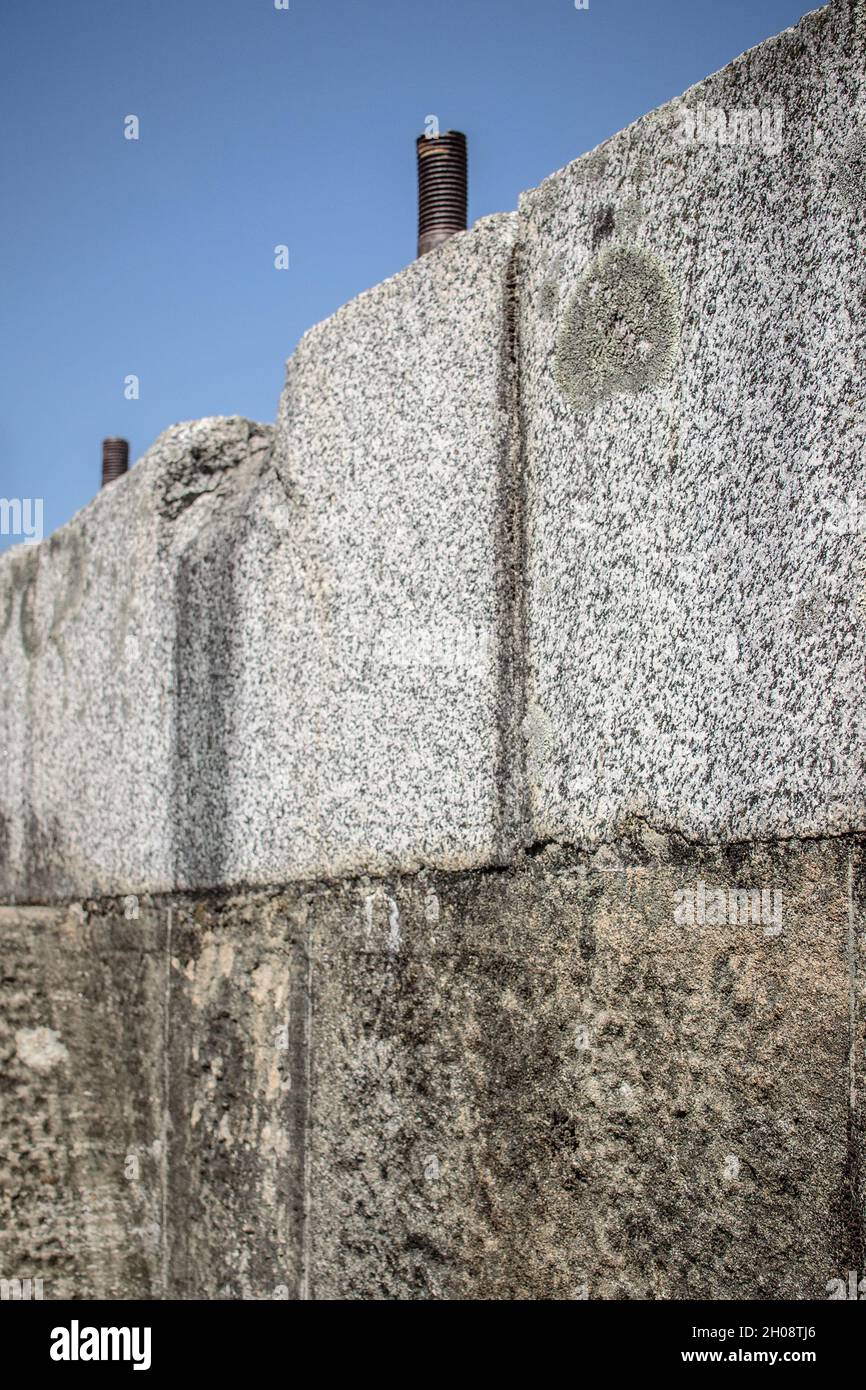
[(498, 230), (838, 11), (170, 446)]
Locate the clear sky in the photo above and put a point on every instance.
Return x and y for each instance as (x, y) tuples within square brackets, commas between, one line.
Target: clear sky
[(258, 127)]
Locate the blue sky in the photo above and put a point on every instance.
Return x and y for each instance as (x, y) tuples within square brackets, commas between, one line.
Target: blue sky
[(261, 127)]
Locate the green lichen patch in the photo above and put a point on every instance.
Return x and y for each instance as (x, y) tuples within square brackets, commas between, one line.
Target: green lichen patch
[(621, 328)]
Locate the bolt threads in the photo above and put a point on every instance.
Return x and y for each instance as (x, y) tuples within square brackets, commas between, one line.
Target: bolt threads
[(115, 459), (442, 188)]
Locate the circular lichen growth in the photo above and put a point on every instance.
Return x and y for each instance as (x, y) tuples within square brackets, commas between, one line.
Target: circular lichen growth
[(621, 328), (851, 169)]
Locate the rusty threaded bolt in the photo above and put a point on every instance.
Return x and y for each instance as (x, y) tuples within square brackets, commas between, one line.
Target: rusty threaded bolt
[(115, 459), (442, 188)]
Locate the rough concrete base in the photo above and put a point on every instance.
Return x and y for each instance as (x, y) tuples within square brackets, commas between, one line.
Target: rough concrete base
[(80, 1090), (506, 1084)]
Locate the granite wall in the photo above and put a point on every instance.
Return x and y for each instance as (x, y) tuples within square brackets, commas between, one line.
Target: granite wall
[(431, 827)]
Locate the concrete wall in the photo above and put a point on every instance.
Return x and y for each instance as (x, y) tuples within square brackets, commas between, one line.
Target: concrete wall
[(528, 1082), (431, 828)]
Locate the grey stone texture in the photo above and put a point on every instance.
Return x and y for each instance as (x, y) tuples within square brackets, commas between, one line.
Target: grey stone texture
[(228, 670), (432, 827), (529, 1082), (81, 1103), (90, 671), (563, 524), (149, 1140), (692, 345), (363, 718)]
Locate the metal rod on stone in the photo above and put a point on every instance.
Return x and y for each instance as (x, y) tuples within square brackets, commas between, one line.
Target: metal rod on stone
[(115, 459), (442, 188)]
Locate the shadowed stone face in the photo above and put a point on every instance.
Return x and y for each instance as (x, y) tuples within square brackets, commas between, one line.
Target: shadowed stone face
[(621, 329)]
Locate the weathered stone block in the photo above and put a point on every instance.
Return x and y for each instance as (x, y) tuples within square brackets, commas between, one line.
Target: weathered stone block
[(91, 673), (633, 1073), (238, 1096), (547, 1082), (374, 611), (224, 671), (691, 375), (82, 1119)]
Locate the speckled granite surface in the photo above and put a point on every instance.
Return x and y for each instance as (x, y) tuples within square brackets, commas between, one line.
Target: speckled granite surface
[(229, 671), (693, 345), (563, 529), (372, 724), (88, 633)]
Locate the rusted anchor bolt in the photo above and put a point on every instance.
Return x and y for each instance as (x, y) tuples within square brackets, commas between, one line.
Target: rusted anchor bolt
[(115, 459), (442, 188)]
